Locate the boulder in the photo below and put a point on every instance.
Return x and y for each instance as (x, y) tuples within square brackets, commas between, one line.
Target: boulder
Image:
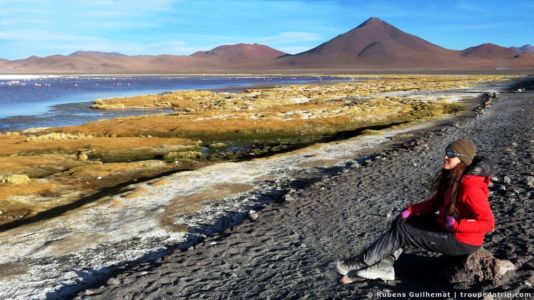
[(479, 267), (82, 156)]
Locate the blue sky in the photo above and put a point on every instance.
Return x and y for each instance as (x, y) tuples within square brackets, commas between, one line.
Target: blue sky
[(46, 27)]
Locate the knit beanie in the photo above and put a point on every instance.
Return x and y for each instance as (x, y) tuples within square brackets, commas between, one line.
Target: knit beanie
[(466, 148)]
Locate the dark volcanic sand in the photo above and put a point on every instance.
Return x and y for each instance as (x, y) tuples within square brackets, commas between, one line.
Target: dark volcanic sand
[(288, 251)]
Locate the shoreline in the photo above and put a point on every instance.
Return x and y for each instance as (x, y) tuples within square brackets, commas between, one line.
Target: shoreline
[(181, 260), (54, 108), (250, 153), (272, 191)]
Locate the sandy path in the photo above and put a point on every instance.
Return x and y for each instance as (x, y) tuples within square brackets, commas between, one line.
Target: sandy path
[(288, 251)]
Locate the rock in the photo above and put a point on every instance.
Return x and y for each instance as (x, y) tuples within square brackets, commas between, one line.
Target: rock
[(113, 281), (82, 156), (479, 267), (89, 292), (288, 197), (128, 280), (253, 215), (529, 180), (494, 179), (507, 180), (503, 266), (172, 156), (501, 188), (14, 179), (218, 145)]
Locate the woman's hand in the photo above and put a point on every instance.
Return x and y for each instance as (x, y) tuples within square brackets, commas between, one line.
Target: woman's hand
[(450, 223), (405, 214)]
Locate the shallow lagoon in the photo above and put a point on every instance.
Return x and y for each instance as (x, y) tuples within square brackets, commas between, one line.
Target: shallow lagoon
[(44, 101)]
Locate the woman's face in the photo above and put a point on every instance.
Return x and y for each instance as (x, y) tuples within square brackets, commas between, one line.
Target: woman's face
[(450, 163)]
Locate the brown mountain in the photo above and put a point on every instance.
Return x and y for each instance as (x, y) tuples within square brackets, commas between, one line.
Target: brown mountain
[(240, 53), (527, 48), (220, 58), (374, 43), (489, 51)]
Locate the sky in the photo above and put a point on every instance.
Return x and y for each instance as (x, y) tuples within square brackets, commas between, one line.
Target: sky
[(181, 27)]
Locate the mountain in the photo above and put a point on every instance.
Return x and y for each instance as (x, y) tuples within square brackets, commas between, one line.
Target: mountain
[(96, 54), (489, 51), (374, 43), (240, 53), (222, 57), (524, 49)]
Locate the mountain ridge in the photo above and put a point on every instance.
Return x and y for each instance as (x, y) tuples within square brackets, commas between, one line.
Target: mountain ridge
[(374, 44)]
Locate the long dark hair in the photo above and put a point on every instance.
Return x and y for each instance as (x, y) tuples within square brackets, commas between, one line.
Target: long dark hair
[(449, 179)]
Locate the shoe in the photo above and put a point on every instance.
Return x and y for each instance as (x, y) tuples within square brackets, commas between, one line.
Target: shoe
[(382, 270), (345, 266)]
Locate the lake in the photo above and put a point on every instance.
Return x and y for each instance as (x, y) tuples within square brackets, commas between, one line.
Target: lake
[(28, 101)]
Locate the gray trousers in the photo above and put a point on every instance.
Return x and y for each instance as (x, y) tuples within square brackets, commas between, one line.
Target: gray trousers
[(416, 232)]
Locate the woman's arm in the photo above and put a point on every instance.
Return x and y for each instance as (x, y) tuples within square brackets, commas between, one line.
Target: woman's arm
[(426, 207)]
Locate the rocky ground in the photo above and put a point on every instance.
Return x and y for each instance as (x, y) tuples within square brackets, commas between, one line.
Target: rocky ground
[(288, 250)]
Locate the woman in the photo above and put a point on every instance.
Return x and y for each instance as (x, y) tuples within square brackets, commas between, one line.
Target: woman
[(464, 217)]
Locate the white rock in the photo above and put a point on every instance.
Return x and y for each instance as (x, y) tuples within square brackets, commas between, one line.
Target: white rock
[(504, 266), (253, 215), (288, 198)]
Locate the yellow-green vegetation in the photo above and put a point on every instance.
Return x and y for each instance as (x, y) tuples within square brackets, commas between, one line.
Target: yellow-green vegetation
[(259, 99), (44, 168)]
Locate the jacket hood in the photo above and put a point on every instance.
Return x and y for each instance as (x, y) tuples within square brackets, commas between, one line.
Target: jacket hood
[(481, 166)]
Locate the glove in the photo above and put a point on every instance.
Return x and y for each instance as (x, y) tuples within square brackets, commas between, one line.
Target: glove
[(450, 223), (405, 214)]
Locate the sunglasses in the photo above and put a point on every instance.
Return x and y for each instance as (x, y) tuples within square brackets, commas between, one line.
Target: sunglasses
[(451, 154)]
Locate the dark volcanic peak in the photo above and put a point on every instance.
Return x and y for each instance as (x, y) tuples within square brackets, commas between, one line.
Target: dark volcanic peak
[(489, 51)]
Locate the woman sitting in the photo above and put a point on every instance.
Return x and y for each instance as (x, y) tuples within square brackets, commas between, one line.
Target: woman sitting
[(453, 222)]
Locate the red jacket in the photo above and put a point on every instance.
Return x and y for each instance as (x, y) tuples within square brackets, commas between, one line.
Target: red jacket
[(474, 213)]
